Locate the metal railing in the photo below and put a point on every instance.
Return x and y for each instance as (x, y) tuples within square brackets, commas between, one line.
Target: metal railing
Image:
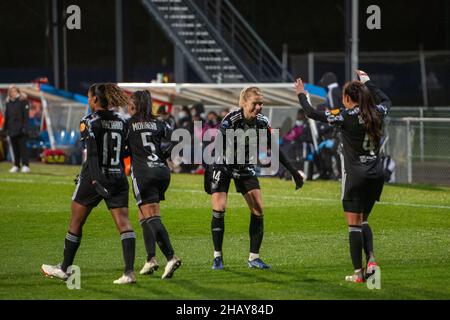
[(243, 39)]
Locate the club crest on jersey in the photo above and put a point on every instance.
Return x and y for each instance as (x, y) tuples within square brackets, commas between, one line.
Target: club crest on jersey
[(82, 127), (225, 125)]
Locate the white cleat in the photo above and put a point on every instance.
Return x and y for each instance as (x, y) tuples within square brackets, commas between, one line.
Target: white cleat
[(171, 266), (14, 169), (357, 277), (126, 279), (54, 272), (25, 169), (150, 267)]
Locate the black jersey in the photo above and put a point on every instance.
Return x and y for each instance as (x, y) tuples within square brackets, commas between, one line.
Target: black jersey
[(148, 144), (357, 150), (105, 135), (235, 121)]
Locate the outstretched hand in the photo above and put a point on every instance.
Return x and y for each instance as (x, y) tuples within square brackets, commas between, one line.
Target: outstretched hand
[(362, 76), (101, 190), (299, 86), (298, 179)]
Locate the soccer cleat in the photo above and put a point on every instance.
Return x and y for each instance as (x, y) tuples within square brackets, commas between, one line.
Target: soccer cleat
[(217, 263), (126, 278), (258, 263), (171, 266), (371, 266), (54, 272), (357, 277), (150, 267), (25, 169), (14, 169)]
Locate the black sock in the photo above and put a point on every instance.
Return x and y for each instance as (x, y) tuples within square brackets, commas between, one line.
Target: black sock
[(368, 240), (71, 244), (161, 236), (149, 239), (128, 248), (356, 246), (256, 231), (218, 229)]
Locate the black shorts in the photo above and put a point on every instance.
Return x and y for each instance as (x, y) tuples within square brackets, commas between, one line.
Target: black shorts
[(86, 195), (360, 193), (218, 180), (150, 186)]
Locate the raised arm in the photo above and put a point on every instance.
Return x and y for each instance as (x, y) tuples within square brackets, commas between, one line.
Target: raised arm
[(310, 112), (383, 102)]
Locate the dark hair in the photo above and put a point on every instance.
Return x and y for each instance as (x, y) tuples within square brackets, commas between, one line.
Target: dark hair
[(109, 95), (143, 105), (360, 94)]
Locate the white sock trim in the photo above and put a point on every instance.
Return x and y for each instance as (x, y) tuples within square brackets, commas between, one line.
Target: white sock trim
[(217, 254), (253, 256)]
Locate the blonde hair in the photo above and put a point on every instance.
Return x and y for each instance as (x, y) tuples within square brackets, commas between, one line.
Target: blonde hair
[(246, 92), (19, 92)]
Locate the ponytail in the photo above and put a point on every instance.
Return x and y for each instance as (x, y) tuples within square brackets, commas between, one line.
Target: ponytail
[(109, 95), (143, 104), (359, 93)]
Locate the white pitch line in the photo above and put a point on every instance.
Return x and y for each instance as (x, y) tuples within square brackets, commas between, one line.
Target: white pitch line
[(35, 181), (401, 204), (388, 203)]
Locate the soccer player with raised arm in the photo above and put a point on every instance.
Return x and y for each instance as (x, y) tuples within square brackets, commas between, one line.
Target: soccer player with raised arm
[(219, 175), (102, 177), (362, 170), (151, 178)]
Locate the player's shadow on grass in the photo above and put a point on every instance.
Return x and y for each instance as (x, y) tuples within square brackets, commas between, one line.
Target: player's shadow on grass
[(422, 187), (271, 275), (129, 291), (211, 292)]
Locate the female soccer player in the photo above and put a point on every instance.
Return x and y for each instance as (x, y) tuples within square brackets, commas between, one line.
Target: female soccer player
[(362, 170), (218, 177), (102, 177), (151, 178)]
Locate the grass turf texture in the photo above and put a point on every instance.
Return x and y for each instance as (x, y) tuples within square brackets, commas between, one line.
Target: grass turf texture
[(305, 242)]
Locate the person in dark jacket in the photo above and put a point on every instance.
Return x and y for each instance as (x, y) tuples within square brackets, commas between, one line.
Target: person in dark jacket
[(16, 127)]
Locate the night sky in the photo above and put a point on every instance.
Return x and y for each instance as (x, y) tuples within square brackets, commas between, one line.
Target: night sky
[(305, 25)]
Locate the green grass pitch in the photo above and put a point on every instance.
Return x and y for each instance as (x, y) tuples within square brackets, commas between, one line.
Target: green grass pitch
[(305, 242)]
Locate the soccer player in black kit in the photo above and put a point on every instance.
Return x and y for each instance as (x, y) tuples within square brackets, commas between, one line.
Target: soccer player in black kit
[(151, 178), (360, 123), (218, 177), (102, 177)]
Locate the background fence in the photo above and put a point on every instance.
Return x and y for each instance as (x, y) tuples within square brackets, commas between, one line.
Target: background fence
[(420, 148), (412, 78)]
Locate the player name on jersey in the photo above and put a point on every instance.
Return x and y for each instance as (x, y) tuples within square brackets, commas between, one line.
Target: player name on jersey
[(144, 126), (112, 125)]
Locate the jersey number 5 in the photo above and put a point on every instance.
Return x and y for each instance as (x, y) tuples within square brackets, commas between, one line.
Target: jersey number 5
[(153, 157)]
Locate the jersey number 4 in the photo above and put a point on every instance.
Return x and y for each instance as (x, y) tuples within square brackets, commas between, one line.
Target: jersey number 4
[(368, 145)]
